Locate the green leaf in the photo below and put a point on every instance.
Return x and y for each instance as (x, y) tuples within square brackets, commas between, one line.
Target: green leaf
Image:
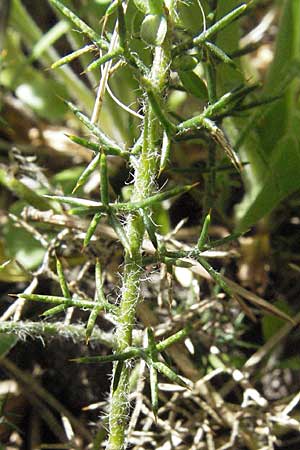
[(49, 38), (150, 227), (31, 34), (117, 375), (292, 363), (272, 324), (92, 321), (31, 85), (21, 190), (272, 140), (185, 63), (219, 54), (214, 29), (287, 50), (65, 179), (193, 84), (104, 183), (7, 342), (228, 41), (21, 246), (79, 202), (10, 272), (282, 179), (41, 95), (131, 352)]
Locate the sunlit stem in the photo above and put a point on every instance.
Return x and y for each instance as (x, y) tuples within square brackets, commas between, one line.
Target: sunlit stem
[(145, 174)]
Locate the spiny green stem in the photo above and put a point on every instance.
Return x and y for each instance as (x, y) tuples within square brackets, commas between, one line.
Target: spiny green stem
[(204, 233), (71, 56), (151, 351), (62, 280), (106, 141), (217, 106), (97, 148), (54, 330), (219, 53), (211, 31), (87, 172), (123, 337), (55, 310), (93, 206), (210, 185), (145, 174), (92, 228), (181, 334), (104, 59), (52, 299), (128, 354)]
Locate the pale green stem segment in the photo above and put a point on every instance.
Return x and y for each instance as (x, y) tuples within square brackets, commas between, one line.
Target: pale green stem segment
[(204, 233), (58, 330), (62, 280), (52, 299), (71, 56), (92, 228), (145, 174), (97, 148), (92, 205), (107, 142), (104, 59), (56, 310)]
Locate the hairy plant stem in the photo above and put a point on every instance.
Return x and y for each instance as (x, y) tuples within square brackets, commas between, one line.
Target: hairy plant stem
[(146, 172), (54, 330)]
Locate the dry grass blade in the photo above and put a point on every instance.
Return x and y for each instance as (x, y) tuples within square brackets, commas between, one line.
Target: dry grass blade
[(260, 302)]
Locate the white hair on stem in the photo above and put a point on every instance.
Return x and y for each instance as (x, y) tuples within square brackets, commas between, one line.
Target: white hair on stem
[(122, 105), (203, 14)]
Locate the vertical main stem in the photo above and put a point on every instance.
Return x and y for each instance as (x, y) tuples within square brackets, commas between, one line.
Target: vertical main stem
[(210, 72), (146, 173)]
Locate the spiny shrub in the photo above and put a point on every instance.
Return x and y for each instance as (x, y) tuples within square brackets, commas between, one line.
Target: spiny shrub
[(150, 39)]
